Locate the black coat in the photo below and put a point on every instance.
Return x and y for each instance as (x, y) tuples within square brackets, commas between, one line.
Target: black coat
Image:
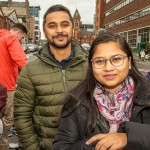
[(72, 128), (3, 96)]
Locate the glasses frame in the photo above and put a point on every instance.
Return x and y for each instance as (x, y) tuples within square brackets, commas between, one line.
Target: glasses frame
[(92, 60)]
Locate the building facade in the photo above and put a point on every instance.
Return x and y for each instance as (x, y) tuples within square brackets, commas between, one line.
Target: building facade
[(35, 34), (21, 8), (83, 33), (130, 18), (7, 19)]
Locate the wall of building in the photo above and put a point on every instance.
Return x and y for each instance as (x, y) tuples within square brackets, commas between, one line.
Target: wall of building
[(130, 18), (124, 11), (2, 22)]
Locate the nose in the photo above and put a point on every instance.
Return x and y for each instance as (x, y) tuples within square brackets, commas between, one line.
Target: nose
[(59, 29), (108, 66)]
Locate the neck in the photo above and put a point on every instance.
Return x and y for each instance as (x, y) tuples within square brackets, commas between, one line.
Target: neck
[(61, 54)]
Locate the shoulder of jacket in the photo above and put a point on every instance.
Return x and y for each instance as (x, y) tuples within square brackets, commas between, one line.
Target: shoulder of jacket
[(143, 95)]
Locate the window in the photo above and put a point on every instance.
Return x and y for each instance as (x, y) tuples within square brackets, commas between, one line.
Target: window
[(36, 33), (36, 27), (76, 24), (144, 33), (36, 22), (132, 38), (36, 12), (131, 17), (31, 11), (122, 4)]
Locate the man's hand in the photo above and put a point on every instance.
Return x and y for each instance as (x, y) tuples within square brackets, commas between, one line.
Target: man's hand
[(110, 141)]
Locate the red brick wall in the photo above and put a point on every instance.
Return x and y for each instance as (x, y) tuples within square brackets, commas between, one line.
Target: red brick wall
[(134, 24), (124, 11), (2, 22)]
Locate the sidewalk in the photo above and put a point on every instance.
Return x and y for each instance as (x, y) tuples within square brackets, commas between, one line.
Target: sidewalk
[(137, 59), (144, 66)]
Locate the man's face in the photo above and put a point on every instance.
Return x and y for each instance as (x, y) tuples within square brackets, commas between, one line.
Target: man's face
[(58, 29), (20, 35)]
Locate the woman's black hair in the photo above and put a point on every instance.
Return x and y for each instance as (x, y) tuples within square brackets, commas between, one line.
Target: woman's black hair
[(84, 91)]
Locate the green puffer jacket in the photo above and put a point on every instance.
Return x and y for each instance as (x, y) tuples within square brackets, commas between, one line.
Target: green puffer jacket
[(40, 94)]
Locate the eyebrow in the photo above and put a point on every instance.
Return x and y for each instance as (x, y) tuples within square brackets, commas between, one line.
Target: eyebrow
[(109, 57), (60, 22)]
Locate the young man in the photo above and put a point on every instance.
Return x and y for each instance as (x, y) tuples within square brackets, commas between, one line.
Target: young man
[(12, 58), (43, 84)]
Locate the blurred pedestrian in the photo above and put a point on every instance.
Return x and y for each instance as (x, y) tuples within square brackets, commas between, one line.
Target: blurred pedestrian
[(110, 109), (3, 96), (12, 58), (3, 99), (148, 75), (44, 83)]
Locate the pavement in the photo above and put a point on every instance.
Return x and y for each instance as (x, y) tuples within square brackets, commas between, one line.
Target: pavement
[(144, 67)]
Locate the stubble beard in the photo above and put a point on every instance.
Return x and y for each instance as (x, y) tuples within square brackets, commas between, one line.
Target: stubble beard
[(60, 46)]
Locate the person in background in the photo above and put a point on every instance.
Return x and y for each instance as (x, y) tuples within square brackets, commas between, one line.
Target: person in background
[(3, 99), (12, 58), (148, 75), (43, 84), (110, 109)]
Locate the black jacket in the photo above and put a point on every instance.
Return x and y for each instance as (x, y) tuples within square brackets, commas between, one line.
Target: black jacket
[(3, 96), (74, 136)]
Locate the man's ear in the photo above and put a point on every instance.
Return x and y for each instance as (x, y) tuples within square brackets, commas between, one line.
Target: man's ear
[(44, 34)]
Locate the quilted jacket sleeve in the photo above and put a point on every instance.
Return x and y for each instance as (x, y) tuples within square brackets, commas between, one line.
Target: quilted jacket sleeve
[(24, 102)]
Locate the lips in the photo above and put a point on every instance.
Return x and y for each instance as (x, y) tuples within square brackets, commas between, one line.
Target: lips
[(60, 37), (110, 76)]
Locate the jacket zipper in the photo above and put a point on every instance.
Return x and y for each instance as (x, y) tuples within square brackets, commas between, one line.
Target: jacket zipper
[(64, 81)]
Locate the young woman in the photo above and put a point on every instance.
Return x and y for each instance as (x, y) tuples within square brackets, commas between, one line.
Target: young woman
[(110, 109)]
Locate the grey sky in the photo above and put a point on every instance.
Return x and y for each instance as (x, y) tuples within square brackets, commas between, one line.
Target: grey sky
[(86, 8)]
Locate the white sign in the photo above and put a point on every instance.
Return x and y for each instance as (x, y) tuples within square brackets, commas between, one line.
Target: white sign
[(139, 39)]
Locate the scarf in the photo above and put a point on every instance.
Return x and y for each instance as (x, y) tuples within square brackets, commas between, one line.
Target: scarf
[(120, 110)]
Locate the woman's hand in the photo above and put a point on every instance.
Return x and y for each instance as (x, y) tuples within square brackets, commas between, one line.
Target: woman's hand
[(110, 141)]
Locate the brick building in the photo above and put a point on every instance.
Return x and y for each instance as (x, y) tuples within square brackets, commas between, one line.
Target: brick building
[(21, 8), (83, 33), (2, 19), (7, 19), (35, 34), (130, 18)]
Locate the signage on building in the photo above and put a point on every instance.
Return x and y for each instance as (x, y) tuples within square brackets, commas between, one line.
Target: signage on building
[(139, 39)]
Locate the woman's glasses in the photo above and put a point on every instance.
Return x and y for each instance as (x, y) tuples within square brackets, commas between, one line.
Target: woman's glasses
[(116, 60)]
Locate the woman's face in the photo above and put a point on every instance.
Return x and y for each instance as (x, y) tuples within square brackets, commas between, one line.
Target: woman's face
[(110, 76)]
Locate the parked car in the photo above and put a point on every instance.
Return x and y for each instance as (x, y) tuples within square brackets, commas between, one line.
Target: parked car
[(86, 46), (33, 47), (25, 48)]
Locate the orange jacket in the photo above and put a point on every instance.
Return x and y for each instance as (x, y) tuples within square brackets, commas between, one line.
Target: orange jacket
[(12, 57)]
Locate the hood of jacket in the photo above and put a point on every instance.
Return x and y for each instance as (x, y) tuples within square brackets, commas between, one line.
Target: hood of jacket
[(4, 32)]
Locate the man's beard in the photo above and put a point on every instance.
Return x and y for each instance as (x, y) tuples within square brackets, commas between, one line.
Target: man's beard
[(60, 46)]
